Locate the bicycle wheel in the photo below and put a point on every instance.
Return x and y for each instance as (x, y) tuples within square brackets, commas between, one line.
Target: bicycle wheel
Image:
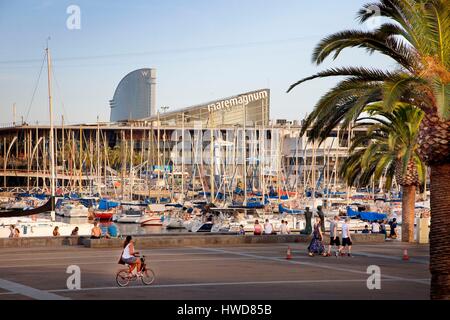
[(122, 278), (148, 276)]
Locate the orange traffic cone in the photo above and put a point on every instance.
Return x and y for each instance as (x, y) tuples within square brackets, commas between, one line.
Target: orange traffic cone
[(405, 255), (288, 254)]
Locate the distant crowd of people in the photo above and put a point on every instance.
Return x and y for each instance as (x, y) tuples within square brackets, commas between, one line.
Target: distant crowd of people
[(316, 245), (96, 232), (380, 227), (267, 228)]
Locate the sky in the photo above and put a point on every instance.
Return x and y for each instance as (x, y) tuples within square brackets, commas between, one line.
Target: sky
[(203, 50)]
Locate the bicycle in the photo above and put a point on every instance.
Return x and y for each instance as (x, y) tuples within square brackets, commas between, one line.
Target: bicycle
[(124, 276)]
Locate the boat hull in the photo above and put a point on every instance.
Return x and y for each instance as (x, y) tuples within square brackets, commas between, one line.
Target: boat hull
[(172, 223), (129, 219), (76, 212), (107, 215), (153, 221)]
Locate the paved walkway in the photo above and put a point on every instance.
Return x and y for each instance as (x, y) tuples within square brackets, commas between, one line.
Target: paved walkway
[(244, 272)]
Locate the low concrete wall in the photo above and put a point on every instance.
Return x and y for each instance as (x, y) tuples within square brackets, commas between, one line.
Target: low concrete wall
[(41, 242), (160, 241), (144, 242), (175, 240)]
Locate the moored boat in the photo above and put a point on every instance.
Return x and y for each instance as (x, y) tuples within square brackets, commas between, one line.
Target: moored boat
[(104, 214), (151, 220), (174, 222), (74, 210)]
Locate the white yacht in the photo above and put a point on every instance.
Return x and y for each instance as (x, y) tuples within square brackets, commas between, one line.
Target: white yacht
[(129, 214), (73, 210), (174, 222)]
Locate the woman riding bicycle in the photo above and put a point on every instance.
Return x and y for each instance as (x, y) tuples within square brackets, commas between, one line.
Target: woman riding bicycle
[(129, 255)]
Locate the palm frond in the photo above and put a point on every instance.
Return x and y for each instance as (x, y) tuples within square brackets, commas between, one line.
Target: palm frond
[(356, 74), (375, 41)]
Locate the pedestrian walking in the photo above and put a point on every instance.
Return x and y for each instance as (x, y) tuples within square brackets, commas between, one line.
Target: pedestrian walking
[(334, 237), (316, 245), (393, 225), (383, 228), (346, 237)]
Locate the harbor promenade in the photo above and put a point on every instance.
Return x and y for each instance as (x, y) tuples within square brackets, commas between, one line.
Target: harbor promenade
[(246, 271)]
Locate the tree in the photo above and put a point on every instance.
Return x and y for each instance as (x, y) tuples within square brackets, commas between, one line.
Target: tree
[(389, 148), (115, 156), (417, 37)]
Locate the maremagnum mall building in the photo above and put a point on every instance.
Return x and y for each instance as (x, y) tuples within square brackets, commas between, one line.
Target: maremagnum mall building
[(85, 152), (250, 108)]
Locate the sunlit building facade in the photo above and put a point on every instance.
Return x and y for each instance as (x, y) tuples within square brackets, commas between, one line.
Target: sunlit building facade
[(250, 108)]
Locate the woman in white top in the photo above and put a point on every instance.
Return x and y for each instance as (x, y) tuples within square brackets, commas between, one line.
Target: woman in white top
[(129, 255)]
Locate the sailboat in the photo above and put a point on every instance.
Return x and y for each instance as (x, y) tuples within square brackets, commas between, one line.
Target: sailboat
[(50, 204)]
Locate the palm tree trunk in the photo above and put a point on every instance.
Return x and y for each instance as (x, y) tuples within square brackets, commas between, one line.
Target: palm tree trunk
[(408, 216), (440, 231)]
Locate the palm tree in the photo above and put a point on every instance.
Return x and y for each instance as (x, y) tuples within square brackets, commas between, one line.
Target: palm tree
[(389, 148), (417, 37), (115, 156)]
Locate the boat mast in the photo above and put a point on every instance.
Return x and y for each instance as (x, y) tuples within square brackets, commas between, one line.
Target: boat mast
[(97, 146), (63, 153), (131, 165), (52, 146), (158, 155), (182, 158), (244, 175), (349, 138), (211, 155), (313, 175), (262, 155)]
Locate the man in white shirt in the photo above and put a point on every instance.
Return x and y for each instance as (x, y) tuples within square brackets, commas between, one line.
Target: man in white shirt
[(346, 237), (283, 228), (375, 227), (268, 228), (288, 230), (334, 237)]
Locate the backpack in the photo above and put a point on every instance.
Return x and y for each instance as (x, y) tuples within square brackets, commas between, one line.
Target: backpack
[(120, 259)]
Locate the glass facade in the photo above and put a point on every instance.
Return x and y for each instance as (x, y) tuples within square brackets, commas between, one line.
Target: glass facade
[(135, 96), (251, 107)]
